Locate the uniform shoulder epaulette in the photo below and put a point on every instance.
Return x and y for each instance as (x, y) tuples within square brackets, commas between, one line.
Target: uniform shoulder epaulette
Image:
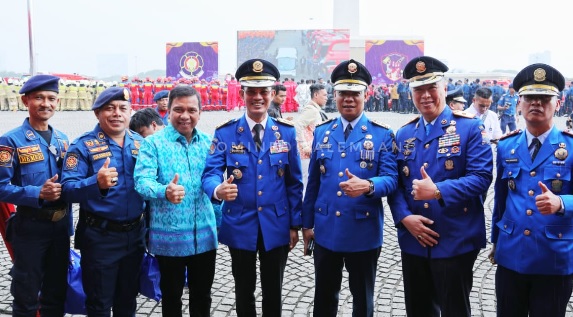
[(380, 124), (222, 124), (81, 136), (568, 132), (323, 122), (285, 121), (459, 113), (512, 133), (412, 120)]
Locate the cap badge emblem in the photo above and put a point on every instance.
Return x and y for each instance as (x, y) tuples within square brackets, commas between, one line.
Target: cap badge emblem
[(420, 67), (352, 68), (125, 94), (539, 74), (258, 66)]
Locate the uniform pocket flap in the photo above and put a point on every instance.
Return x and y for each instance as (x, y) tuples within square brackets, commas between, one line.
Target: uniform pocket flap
[(559, 232), (365, 212), (510, 172), (321, 208), (506, 226), (556, 172)]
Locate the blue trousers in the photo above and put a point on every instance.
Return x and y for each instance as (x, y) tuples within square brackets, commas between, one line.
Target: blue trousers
[(507, 121), (111, 262), (41, 257)]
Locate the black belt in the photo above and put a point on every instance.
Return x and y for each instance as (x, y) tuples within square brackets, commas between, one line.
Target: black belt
[(52, 213), (94, 220)]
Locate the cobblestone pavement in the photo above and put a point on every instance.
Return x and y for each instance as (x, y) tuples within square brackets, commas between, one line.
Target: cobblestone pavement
[(298, 287)]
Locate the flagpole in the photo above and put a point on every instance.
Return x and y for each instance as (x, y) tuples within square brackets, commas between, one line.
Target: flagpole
[(31, 40)]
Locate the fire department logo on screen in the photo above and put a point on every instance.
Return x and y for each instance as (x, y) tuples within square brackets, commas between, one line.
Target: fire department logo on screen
[(392, 65), (191, 65)]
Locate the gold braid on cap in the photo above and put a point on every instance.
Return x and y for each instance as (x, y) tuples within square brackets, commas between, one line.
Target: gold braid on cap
[(350, 81), (428, 76), (257, 78), (538, 88)]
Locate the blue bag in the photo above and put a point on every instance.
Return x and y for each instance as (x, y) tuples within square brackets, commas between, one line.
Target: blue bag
[(149, 278), (75, 297)]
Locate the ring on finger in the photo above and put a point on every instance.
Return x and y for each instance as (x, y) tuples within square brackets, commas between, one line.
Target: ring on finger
[(412, 193), (114, 180), (419, 237)]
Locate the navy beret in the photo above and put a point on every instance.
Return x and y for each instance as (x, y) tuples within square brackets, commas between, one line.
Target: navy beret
[(257, 73), (109, 95), (160, 95), (423, 70), (41, 82), (539, 79), (456, 94), (350, 75)]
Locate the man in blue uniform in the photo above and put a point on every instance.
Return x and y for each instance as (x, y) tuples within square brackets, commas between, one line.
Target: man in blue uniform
[(98, 174), (532, 223), (445, 167), (507, 106), (352, 167), (31, 158), (262, 194), (162, 98)]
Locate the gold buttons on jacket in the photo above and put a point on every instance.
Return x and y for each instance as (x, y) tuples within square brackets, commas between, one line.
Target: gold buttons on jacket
[(426, 205), (509, 173), (340, 174), (526, 232), (236, 163), (337, 213), (560, 235), (260, 177), (280, 161), (425, 165), (558, 175), (531, 192), (465, 209), (529, 212), (367, 214), (532, 173), (427, 146), (260, 208), (343, 154), (338, 193), (260, 162), (260, 193)]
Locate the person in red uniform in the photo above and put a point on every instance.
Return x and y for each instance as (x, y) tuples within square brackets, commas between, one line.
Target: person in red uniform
[(204, 92), (159, 86), (148, 87), (134, 89), (232, 93), (169, 83), (224, 92), (214, 92)]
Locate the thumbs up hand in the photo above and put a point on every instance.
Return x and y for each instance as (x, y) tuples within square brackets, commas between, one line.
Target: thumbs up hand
[(227, 191), (107, 176), (425, 188), (547, 202), (174, 192), (51, 191), (354, 186)]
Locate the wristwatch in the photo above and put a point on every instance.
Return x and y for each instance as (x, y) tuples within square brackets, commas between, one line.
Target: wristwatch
[(370, 188), (437, 194), (295, 227)]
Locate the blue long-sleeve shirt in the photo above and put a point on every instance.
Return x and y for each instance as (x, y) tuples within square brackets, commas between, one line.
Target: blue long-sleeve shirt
[(181, 229)]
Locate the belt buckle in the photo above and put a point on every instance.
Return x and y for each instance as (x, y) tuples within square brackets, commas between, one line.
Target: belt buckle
[(58, 215)]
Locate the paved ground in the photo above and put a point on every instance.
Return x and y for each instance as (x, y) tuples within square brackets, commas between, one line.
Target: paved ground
[(299, 279)]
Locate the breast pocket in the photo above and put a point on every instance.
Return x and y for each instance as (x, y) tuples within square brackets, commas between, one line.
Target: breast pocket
[(366, 163), (32, 172), (237, 166), (279, 163), (557, 179), (506, 226), (449, 160), (325, 163)]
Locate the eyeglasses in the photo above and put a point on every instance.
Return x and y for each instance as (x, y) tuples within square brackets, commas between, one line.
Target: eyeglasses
[(541, 98)]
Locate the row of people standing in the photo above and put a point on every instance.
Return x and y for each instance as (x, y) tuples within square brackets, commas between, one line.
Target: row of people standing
[(435, 173)]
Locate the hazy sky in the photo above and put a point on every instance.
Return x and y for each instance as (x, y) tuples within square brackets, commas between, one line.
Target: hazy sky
[(479, 35)]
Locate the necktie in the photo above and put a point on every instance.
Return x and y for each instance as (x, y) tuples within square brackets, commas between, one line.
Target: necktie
[(257, 136), (347, 131), (428, 128), (535, 146)]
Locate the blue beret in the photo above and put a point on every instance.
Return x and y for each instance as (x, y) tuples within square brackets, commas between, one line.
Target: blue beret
[(257, 73), (350, 75), (109, 95), (41, 82), (423, 70), (456, 94), (160, 95), (539, 79)]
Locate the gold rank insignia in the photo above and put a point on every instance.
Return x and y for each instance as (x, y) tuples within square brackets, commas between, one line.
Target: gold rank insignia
[(539, 74), (100, 135), (278, 135), (444, 121), (512, 133), (240, 129), (125, 94), (561, 154), (380, 124), (224, 123), (325, 140), (237, 173), (136, 144)]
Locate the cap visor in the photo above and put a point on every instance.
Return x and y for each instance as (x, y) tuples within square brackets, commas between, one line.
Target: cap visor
[(418, 83)]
